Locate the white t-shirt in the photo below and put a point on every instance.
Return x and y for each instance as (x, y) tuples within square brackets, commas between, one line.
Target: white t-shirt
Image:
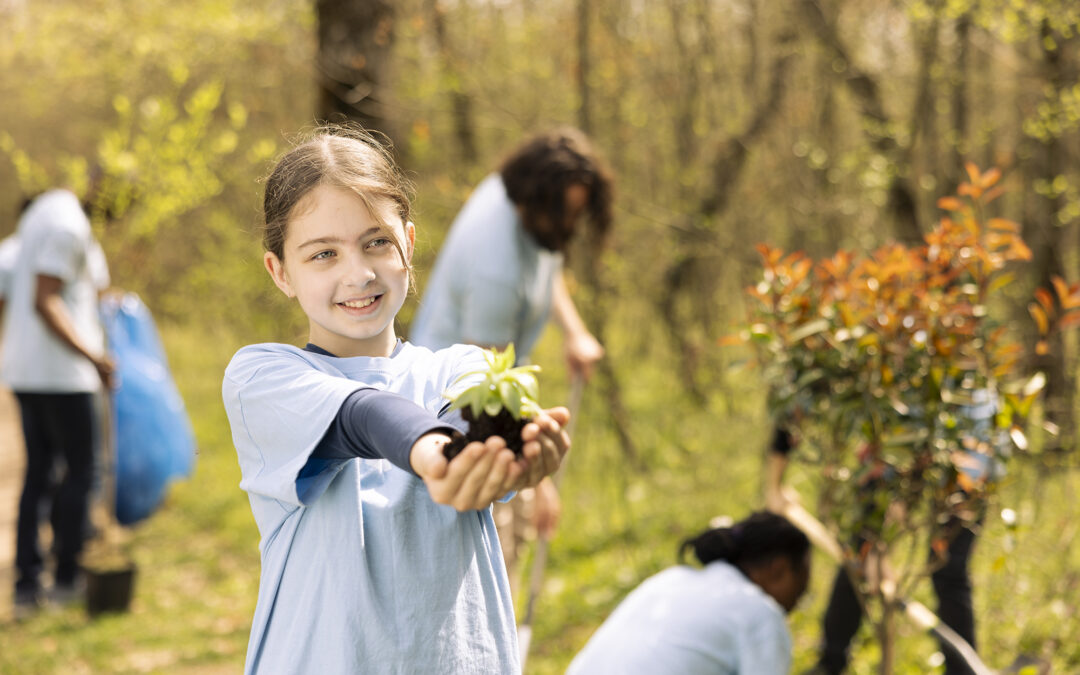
[(55, 240), (491, 283), (361, 571), (708, 621)]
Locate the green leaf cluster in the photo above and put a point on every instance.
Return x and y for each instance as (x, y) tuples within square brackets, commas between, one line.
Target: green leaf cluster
[(503, 387)]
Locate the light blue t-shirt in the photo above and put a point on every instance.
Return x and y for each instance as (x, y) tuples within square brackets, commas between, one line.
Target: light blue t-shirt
[(491, 283), (361, 571), (708, 621)]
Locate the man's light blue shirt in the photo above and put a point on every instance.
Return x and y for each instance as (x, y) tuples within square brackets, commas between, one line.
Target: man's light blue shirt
[(708, 621), (361, 571), (491, 283)]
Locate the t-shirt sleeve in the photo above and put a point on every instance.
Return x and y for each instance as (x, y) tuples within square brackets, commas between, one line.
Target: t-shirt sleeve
[(279, 407), (61, 255), (490, 311)]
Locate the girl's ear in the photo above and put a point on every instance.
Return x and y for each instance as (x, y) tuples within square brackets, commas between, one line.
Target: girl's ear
[(276, 268), (410, 240)]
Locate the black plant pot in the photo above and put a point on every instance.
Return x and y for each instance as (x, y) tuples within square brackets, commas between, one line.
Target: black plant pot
[(109, 590)]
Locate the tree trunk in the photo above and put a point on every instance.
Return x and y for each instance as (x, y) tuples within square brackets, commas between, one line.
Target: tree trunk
[(460, 102), (584, 102), (1048, 249), (355, 40), (961, 148)]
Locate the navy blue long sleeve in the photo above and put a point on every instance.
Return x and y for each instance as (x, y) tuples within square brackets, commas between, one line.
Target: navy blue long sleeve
[(375, 424)]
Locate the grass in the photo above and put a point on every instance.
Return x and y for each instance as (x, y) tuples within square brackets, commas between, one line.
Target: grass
[(198, 561)]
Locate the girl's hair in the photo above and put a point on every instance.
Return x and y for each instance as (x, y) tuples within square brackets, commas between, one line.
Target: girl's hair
[(540, 170), (749, 543), (346, 157)]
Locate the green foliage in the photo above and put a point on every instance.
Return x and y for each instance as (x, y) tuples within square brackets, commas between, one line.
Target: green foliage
[(907, 387), (503, 387)]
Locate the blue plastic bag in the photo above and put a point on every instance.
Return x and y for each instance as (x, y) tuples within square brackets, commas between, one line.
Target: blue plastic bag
[(152, 436)]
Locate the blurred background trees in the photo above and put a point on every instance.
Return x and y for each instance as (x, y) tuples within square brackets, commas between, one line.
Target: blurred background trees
[(813, 125)]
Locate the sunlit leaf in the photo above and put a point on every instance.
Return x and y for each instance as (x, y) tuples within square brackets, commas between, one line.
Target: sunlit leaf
[(1046, 300), (1004, 225), (989, 178), (1069, 320), (950, 204), (973, 172), (1034, 385), (1040, 317), (806, 330)]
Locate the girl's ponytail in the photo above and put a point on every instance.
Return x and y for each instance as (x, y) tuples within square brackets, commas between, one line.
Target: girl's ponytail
[(750, 542)]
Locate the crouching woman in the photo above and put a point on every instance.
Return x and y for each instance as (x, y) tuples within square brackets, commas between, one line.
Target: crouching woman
[(727, 617)]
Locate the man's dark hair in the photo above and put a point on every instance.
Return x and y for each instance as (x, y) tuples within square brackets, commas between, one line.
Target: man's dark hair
[(537, 175)]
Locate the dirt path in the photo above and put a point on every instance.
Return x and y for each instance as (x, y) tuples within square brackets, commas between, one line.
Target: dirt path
[(11, 474)]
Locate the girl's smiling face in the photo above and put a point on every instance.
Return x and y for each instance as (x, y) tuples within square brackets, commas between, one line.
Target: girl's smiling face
[(346, 270)]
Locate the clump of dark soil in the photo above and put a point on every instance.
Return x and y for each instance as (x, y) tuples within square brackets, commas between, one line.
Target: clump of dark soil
[(503, 425)]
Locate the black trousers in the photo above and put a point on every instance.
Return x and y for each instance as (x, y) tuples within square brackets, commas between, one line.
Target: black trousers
[(55, 425), (952, 585)]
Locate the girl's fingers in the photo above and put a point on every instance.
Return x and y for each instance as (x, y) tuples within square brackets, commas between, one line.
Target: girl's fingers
[(470, 491), (443, 490), (559, 414), (496, 482)]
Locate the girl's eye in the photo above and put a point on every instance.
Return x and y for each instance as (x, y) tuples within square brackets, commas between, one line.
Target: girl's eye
[(379, 242), (323, 255)]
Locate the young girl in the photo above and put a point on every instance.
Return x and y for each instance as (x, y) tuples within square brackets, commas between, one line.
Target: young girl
[(726, 618), (378, 555)]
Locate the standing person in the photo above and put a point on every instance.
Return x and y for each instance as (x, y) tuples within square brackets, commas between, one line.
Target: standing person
[(378, 555), (498, 276), (726, 618), (951, 577), (54, 360)]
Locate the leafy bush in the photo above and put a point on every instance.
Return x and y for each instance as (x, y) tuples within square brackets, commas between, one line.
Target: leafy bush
[(911, 393)]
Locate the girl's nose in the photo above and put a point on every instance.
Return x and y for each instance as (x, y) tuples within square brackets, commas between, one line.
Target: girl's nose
[(359, 272)]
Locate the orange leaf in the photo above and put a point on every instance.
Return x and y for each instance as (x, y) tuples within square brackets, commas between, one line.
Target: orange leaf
[(969, 190), (730, 340), (1069, 320), (1039, 315), (989, 178), (1046, 300), (973, 172), (1061, 288), (1004, 224), (1042, 348), (950, 204), (1068, 295), (993, 194), (1019, 250)]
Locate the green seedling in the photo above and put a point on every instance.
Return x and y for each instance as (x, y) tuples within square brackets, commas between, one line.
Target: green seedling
[(501, 404), (504, 387)]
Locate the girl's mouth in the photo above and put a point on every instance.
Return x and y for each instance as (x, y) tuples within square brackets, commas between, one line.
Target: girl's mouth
[(357, 305)]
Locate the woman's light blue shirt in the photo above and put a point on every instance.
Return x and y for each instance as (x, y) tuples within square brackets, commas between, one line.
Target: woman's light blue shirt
[(361, 571), (708, 621)]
